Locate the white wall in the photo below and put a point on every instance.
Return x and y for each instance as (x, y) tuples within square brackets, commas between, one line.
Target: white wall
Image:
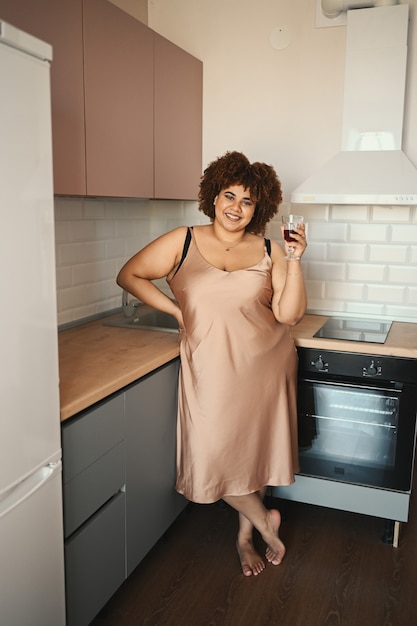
[(279, 106), (137, 8)]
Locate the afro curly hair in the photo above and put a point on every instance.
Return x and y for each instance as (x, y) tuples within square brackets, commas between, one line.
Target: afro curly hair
[(234, 168)]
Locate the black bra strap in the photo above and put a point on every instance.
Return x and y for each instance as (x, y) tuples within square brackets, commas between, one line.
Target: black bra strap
[(268, 246), (185, 249)]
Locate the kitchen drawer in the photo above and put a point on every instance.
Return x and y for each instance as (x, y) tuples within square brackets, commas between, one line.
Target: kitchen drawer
[(95, 562), (90, 435), (93, 487)]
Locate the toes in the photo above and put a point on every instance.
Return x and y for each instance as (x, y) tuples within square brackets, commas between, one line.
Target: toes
[(251, 563), (253, 569), (248, 569), (274, 557), (259, 568)]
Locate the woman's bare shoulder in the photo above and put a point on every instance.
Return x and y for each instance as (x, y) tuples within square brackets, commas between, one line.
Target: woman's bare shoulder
[(277, 251), (173, 239), (176, 233)]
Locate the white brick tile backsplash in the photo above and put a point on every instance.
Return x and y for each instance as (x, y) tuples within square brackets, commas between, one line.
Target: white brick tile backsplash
[(114, 292), (62, 232), (98, 291), (95, 208), (311, 212), (405, 313), (368, 232), (87, 310), (360, 260), (73, 297), (68, 208), (133, 245), (193, 216), (315, 289), (348, 213), (125, 228), (412, 297), (105, 229), (327, 231), (366, 272), (364, 308), (326, 271), (66, 317), (324, 307), (315, 252), (337, 290), (404, 233), (273, 230), (64, 277), (387, 254), (93, 272), (82, 252), (115, 208), (84, 230), (347, 252), (403, 275), (386, 293), (163, 210), (114, 249), (391, 214)]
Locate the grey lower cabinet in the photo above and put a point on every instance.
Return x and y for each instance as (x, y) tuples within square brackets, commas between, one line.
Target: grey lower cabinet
[(118, 488), (152, 503)]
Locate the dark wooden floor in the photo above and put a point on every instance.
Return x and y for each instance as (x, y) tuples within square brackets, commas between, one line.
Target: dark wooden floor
[(337, 572)]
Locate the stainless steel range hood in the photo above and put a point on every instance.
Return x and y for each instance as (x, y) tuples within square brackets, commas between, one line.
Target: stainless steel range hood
[(371, 167)]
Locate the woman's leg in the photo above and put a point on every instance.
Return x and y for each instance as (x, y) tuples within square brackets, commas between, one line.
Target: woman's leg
[(250, 560), (267, 522)]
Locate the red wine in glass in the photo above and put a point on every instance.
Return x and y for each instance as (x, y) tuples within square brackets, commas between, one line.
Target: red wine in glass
[(289, 224), (287, 235)]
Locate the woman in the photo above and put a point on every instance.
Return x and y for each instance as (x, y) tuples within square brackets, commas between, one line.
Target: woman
[(236, 296)]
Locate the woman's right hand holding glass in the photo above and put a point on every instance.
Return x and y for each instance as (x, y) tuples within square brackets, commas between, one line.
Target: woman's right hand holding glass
[(293, 232)]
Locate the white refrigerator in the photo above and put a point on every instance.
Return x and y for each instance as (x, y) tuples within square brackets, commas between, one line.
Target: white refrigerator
[(31, 533)]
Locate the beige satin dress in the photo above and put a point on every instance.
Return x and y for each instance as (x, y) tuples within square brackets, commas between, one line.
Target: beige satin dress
[(237, 423)]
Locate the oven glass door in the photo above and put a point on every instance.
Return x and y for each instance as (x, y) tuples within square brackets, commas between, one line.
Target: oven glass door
[(355, 434)]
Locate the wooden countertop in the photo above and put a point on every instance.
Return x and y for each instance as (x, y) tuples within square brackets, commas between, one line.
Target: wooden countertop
[(401, 340), (96, 360)]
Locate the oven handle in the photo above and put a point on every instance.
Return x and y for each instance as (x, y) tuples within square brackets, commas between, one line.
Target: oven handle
[(397, 387)]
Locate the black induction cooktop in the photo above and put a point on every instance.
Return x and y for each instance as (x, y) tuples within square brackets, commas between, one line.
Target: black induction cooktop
[(349, 329)]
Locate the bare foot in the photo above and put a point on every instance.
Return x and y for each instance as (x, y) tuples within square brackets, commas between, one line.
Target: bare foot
[(250, 560), (276, 550)]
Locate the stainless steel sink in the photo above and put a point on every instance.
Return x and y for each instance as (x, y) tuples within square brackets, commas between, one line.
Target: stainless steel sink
[(145, 318)]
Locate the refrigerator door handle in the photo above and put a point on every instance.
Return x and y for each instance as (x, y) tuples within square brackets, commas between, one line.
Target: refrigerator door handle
[(14, 496)]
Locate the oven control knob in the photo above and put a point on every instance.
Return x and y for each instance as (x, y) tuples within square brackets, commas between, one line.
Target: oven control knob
[(371, 370), (319, 364)]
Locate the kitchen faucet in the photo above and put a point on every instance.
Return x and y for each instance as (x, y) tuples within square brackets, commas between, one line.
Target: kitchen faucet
[(129, 307)]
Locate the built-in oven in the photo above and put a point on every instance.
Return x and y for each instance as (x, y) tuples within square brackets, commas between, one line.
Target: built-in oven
[(357, 418), (357, 426)]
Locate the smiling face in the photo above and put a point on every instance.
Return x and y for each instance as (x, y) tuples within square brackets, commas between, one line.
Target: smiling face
[(234, 207)]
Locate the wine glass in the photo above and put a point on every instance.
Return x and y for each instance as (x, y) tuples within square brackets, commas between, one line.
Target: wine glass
[(290, 222)]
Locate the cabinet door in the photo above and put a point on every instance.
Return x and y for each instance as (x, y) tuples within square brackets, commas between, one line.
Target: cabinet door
[(95, 562), (178, 121), (59, 23), (150, 431), (118, 66)]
